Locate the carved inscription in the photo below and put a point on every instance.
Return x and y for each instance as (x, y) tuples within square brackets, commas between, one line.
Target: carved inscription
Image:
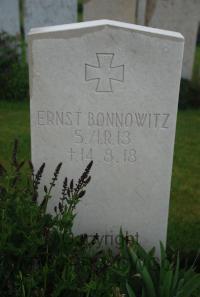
[(104, 72), (113, 132), (155, 120), (108, 139), (108, 156)]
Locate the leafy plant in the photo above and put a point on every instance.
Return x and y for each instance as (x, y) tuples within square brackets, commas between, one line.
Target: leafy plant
[(39, 254), (41, 257), (161, 278)]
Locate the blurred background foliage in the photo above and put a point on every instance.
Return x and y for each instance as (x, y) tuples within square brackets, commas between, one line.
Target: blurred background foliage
[(13, 69)]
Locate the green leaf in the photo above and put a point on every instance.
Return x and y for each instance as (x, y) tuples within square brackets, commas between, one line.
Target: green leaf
[(146, 277), (130, 290), (191, 286), (176, 275)]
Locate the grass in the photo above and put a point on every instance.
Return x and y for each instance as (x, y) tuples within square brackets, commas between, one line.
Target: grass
[(184, 218), (14, 123)]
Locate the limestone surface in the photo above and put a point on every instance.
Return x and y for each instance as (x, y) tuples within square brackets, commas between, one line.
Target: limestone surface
[(108, 91)]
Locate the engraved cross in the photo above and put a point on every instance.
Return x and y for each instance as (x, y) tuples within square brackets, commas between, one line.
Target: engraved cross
[(104, 73)]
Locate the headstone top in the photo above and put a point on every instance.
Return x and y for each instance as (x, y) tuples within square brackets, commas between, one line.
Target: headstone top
[(49, 13), (35, 32), (119, 10), (9, 17), (180, 15)]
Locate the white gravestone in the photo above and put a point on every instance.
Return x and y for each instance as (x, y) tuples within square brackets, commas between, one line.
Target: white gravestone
[(40, 13), (120, 10), (182, 16), (141, 12), (9, 17), (108, 91)]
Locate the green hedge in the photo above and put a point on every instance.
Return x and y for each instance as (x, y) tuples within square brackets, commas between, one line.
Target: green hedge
[(13, 69)]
